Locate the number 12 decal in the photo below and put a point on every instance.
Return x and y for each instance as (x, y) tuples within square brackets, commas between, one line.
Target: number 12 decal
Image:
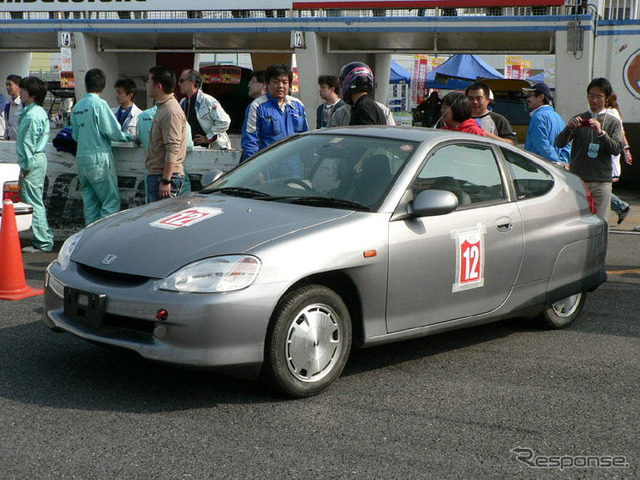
[(469, 244)]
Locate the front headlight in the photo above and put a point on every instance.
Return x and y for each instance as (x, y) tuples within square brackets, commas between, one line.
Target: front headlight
[(217, 274), (64, 257)]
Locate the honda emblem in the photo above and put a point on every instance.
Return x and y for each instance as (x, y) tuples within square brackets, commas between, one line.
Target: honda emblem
[(109, 259)]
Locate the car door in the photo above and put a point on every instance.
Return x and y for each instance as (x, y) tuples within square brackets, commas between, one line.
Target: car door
[(459, 264)]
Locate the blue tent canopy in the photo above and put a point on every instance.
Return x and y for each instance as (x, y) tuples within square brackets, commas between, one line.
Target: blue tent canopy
[(460, 71), (451, 84), (536, 78), (398, 74)]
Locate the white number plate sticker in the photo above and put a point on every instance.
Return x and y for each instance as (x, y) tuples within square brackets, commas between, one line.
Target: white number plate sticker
[(186, 218), (469, 258)]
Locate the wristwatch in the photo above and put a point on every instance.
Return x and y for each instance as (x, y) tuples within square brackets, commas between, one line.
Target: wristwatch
[(165, 181)]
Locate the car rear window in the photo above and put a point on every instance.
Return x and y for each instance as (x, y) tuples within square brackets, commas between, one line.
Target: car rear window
[(530, 179)]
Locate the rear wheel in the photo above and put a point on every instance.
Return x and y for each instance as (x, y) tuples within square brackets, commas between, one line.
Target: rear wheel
[(308, 341), (564, 312)]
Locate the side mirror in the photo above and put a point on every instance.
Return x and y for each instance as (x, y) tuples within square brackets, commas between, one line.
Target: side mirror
[(429, 203), (209, 177)]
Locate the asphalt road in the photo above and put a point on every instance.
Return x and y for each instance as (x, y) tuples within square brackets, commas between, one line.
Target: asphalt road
[(453, 405)]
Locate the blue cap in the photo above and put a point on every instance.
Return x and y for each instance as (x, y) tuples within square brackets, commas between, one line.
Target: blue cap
[(539, 88)]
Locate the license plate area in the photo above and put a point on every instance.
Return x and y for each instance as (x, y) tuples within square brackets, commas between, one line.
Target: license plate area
[(84, 307)]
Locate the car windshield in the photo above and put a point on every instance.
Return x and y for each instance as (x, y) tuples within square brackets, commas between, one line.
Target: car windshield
[(325, 170)]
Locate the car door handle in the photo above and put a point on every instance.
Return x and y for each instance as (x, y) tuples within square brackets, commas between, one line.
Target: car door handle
[(503, 224)]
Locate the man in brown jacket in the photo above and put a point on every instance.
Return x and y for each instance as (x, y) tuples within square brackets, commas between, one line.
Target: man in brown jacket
[(168, 138)]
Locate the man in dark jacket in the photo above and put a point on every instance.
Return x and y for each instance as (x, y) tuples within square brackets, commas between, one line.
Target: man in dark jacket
[(357, 87)]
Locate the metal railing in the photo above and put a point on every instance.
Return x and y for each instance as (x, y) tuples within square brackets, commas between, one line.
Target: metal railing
[(620, 10), (264, 14), (607, 10)]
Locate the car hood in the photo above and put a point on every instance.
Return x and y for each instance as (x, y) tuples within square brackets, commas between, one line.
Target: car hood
[(157, 239)]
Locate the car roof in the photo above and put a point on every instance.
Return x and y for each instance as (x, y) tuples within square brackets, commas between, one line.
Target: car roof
[(414, 134)]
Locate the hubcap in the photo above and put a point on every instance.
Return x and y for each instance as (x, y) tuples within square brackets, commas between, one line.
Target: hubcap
[(314, 343), (567, 306)]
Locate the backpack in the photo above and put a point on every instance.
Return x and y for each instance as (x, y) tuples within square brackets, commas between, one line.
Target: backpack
[(64, 141)]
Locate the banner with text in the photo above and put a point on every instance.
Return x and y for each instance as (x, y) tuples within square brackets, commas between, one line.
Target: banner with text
[(419, 79)]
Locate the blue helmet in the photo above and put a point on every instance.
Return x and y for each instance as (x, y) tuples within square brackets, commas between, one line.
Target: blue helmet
[(355, 77)]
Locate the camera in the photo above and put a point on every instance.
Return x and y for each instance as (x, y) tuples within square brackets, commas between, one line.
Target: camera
[(585, 122)]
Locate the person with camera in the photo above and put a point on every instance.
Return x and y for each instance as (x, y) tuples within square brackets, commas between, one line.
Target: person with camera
[(595, 136)]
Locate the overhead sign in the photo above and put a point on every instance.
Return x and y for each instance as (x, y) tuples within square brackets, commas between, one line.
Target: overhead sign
[(132, 5), (391, 4), (65, 39), (172, 5), (297, 39), (221, 74)]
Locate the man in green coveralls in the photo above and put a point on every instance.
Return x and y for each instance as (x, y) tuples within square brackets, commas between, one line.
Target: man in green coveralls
[(94, 127), (31, 140)]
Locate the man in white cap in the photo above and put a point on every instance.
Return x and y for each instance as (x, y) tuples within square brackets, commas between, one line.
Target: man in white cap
[(545, 125)]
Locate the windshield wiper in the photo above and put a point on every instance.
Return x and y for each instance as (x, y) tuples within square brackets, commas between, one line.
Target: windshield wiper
[(239, 192), (325, 201)]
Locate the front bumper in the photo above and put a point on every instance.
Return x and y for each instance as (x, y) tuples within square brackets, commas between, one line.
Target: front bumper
[(222, 331)]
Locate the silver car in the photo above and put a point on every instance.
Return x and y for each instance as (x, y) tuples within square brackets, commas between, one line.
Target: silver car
[(339, 237), (10, 188)]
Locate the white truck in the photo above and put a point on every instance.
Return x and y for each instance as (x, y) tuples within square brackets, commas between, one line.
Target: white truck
[(10, 188)]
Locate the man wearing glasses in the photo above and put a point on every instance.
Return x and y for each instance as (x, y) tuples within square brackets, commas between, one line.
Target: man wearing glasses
[(208, 120), (595, 136)]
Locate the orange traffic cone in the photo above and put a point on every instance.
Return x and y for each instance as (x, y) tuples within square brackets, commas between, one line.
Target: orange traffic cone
[(13, 285)]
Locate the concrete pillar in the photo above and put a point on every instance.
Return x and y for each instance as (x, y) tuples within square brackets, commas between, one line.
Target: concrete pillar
[(261, 61), (135, 66), (573, 74), (382, 72), (14, 63), (314, 60), (85, 56)]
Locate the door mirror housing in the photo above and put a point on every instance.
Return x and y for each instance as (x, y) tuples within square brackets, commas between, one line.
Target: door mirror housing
[(430, 203), (209, 177)]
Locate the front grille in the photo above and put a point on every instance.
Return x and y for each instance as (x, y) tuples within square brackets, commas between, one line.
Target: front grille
[(98, 274), (135, 324)]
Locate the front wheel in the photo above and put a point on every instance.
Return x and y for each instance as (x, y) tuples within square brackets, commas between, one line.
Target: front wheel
[(308, 341), (564, 312)]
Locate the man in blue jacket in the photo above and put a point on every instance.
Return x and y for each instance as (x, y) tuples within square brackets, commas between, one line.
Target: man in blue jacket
[(273, 116), (545, 125)]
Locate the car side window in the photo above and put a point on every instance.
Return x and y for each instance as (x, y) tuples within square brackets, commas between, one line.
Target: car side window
[(530, 180), (469, 171)]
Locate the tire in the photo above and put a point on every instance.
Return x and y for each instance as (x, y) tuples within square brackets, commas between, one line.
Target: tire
[(308, 341), (564, 312)]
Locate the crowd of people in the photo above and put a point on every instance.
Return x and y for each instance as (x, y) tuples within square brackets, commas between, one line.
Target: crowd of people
[(589, 144)]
